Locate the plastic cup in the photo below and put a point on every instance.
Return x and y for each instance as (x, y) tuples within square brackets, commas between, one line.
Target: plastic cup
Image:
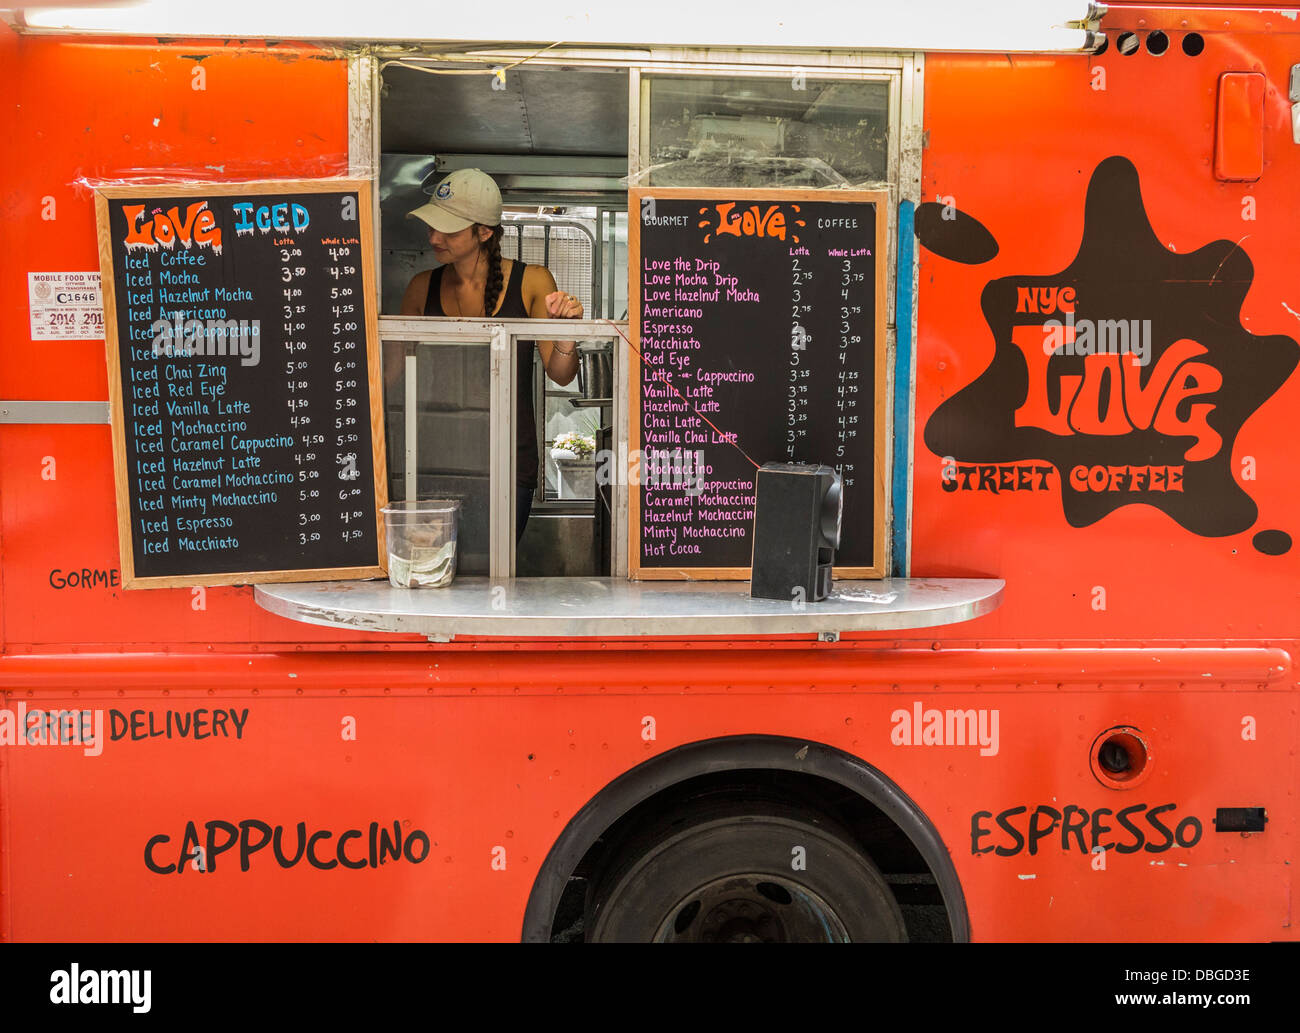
[(422, 542)]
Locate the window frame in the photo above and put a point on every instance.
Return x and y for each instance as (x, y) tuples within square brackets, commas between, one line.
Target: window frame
[(903, 72)]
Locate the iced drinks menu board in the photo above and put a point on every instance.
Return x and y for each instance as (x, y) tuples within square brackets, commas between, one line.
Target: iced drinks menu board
[(759, 327), (243, 364)]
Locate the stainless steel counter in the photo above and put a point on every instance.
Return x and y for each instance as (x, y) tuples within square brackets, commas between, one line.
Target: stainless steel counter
[(612, 607)]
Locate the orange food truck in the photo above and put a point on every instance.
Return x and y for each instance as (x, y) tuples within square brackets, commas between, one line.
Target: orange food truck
[(995, 316)]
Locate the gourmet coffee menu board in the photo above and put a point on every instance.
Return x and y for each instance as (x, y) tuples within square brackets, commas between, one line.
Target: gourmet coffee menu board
[(759, 318), (243, 366)]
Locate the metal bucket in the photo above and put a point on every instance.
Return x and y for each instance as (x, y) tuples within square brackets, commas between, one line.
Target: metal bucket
[(596, 374)]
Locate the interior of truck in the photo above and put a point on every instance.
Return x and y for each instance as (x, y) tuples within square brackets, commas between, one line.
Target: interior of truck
[(556, 141)]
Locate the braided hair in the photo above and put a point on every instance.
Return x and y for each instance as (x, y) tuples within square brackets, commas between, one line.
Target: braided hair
[(495, 279)]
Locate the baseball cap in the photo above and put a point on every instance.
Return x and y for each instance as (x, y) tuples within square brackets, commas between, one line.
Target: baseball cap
[(461, 199)]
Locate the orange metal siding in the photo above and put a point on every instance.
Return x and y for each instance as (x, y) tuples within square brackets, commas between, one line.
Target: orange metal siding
[(485, 745)]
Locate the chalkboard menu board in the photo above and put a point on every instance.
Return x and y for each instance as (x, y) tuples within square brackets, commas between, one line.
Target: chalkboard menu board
[(243, 367), (760, 332)]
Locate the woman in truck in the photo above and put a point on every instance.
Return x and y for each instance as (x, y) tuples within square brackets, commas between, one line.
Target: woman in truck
[(464, 219)]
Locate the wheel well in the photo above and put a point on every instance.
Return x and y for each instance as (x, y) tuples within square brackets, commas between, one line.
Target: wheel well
[(886, 824)]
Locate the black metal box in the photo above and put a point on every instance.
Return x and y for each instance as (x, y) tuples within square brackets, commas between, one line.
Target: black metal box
[(797, 512)]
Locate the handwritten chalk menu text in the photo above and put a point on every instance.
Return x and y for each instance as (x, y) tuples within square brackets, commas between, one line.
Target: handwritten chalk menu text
[(759, 318), (243, 364)]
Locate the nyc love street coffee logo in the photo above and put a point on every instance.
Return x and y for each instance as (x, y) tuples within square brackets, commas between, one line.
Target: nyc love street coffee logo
[(1128, 372)]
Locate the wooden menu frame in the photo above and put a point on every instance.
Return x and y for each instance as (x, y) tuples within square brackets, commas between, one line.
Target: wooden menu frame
[(379, 460), (880, 446)]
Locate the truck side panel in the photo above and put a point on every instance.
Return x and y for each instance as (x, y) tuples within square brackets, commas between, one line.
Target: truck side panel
[(487, 750)]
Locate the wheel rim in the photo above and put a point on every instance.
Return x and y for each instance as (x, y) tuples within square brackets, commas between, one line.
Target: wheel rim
[(751, 908)]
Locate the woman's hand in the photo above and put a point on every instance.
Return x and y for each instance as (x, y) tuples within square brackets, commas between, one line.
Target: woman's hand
[(563, 306), (545, 301)]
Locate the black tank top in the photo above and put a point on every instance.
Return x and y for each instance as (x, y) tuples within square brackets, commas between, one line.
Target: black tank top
[(512, 307)]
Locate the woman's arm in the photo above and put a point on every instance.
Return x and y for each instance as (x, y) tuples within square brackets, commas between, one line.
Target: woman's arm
[(559, 358)]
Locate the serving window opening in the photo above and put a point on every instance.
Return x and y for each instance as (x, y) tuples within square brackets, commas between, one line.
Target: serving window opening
[(563, 144), (554, 140)]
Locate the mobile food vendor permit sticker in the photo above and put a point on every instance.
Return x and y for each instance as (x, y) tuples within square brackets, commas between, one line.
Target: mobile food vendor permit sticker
[(65, 306)]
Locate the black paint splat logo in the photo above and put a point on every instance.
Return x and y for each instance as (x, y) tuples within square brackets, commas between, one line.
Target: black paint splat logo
[(1129, 371)]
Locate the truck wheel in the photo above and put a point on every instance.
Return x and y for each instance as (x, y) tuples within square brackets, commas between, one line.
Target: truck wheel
[(742, 872)]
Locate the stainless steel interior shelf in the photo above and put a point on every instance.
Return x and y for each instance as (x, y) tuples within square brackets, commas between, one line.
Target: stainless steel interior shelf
[(611, 607)]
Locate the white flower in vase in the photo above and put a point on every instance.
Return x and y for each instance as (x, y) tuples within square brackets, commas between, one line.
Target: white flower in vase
[(573, 446)]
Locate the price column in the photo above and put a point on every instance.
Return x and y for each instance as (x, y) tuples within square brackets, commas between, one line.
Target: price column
[(851, 288), (797, 395), (297, 381), (348, 371)]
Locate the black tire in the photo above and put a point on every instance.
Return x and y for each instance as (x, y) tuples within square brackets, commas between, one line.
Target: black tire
[(728, 871)]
